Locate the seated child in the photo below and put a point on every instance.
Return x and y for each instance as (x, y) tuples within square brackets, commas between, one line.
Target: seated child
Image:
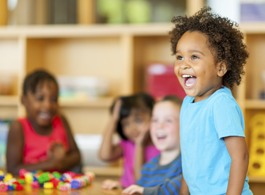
[(162, 174), (130, 118), (43, 140), (210, 58)]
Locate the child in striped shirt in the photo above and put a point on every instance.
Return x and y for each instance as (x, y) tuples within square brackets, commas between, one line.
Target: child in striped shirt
[(162, 174)]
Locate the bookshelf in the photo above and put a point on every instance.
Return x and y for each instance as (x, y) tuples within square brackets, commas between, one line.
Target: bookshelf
[(122, 51)]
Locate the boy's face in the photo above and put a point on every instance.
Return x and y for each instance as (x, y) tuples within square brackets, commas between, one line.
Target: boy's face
[(165, 126), (134, 124), (195, 66), (42, 106)]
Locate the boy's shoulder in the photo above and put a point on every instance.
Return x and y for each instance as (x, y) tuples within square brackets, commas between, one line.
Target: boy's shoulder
[(152, 163), (223, 97)]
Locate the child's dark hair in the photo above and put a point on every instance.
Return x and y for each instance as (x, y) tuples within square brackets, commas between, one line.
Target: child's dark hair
[(35, 78), (172, 98), (225, 40), (142, 101)]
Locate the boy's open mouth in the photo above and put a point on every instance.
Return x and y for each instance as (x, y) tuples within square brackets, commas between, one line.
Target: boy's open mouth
[(161, 136), (45, 115), (189, 80)]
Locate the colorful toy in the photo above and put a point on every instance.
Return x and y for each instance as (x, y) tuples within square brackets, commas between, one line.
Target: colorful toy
[(48, 185), (10, 188), (35, 184), (3, 187), (56, 174), (46, 180), (21, 181), (8, 176)]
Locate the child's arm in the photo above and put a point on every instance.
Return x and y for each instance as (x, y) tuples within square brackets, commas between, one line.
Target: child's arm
[(111, 184), (184, 189), (109, 151), (238, 152), (139, 157), (14, 152), (72, 157), (170, 186)]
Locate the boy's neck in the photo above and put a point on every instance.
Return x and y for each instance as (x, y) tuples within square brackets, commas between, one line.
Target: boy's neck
[(207, 95), (168, 156)]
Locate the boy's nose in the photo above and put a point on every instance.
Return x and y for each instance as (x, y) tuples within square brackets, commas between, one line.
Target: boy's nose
[(185, 65), (160, 125), (47, 104)]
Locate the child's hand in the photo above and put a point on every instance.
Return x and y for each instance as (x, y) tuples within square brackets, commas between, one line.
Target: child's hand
[(57, 152), (144, 133), (116, 110), (133, 189), (110, 184)]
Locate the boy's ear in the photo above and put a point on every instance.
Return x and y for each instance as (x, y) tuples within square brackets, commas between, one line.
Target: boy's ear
[(221, 69)]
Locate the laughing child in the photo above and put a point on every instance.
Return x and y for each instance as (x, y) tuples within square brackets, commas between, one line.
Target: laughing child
[(162, 175), (43, 139), (210, 58), (130, 119)]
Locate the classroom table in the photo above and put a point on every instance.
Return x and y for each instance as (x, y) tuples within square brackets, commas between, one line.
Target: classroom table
[(92, 189)]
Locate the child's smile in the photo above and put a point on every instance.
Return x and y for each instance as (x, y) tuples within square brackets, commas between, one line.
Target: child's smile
[(195, 67), (189, 80), (134, 123), (42, 105), (165, 126)]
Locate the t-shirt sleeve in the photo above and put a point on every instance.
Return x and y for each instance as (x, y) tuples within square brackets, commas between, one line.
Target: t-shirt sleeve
[(228, 118), (170, 186)]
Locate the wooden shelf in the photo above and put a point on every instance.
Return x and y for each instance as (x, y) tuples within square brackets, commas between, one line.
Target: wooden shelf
[(255, 179), (106, 30), (8, 100), (100, 102), (104, 171), (97, 103), (61, 31), (252, 27), (255, 104)]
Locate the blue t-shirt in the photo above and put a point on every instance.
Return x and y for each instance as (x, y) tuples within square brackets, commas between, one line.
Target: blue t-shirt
[(203, 125)]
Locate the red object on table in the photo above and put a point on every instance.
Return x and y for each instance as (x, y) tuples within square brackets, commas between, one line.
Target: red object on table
[(161, 81)]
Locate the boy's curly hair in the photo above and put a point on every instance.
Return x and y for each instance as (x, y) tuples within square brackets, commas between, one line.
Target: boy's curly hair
[(224, 39)]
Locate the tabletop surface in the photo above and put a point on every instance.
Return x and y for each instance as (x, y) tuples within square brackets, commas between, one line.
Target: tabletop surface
[(92, 189)]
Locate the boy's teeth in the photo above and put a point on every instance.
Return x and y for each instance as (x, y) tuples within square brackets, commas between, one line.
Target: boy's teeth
[(45, 115), (161, 135), (185, 75)]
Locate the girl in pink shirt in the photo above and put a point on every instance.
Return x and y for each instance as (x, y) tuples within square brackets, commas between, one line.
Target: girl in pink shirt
[(130, 119), (43, 140)]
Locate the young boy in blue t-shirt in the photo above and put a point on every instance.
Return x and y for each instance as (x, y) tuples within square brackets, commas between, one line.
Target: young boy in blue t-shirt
[(210, 56)]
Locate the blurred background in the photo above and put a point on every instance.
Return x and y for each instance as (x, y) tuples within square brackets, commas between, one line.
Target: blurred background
[(101, 49)]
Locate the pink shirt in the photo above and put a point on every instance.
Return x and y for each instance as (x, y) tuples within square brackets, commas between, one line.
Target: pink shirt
[(128, 148), (36, 146)]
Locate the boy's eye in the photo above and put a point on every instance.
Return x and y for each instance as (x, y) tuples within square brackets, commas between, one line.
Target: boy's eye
[(138, 120), (154, 120), (179, 57), (194, 57), (39, 98), (168, 120), (53, 99), (125, 124)]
